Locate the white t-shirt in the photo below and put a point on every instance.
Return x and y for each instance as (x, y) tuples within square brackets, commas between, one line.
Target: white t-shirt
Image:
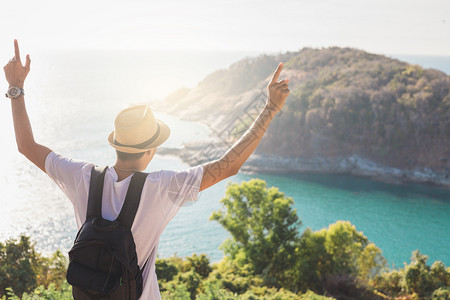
[(163, 194)]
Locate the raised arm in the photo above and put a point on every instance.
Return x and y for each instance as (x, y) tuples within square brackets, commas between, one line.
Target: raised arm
[(230, 163), (16, 74)]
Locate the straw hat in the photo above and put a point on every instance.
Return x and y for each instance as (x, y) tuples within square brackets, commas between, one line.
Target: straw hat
[(136, 130)]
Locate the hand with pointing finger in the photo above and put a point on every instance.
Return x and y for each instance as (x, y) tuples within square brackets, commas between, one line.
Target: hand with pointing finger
[(15, 72), (277, 90)]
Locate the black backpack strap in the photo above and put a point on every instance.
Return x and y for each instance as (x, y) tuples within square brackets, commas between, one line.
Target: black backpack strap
[(94, 208), (132, 199)]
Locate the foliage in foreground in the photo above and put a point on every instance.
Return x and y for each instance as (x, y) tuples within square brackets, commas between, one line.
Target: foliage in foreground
[(64, 292), (225, 280), (265, 258), (24, 269), (266, 240), (417, 278), (338, 261), (229, 281)]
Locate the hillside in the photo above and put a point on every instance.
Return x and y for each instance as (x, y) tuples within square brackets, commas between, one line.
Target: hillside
[(349, 111)]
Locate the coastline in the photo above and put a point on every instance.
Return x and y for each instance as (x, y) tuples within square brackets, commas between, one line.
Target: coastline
[(193, 153), (351, 165)]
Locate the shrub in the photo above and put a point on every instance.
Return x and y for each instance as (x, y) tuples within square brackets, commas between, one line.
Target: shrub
[(18, 266), (165, 269), (233, 277), (442, 293), (175, 290), (417, 278), (23, 269), (63, 292), (200, 264), (423, 279)]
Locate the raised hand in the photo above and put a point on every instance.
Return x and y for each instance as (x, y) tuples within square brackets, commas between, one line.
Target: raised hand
[(277, 90), (15, 72)]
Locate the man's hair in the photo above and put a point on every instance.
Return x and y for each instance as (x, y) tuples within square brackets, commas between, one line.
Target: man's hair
[(129, 156)]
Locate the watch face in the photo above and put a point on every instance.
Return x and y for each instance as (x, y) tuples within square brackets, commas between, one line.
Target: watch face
[(13, 92)]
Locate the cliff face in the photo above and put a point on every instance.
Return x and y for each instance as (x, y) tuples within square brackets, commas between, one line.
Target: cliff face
[(344, 104)]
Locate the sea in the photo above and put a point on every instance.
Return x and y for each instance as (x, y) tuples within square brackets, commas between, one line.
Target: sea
[(72, 100)]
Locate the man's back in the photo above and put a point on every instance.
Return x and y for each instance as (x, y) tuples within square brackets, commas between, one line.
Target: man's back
[(163, 194)]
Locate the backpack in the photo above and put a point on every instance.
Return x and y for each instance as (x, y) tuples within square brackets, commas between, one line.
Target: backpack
[(102, 262)]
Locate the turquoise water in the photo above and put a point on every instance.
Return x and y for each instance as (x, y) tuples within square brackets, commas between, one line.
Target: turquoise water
[(397, 218), (72, 101)]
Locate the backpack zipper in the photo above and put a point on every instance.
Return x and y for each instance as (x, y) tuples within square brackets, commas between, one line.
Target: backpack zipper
[(109, 273)]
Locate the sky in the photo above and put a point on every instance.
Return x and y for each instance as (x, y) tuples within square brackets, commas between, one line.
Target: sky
[(378, 26)]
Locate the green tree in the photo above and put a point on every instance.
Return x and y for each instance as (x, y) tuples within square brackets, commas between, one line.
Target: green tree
[(337, 250), (23, 269), (18, 266), (264, 229), (351, 252), (313, 262)]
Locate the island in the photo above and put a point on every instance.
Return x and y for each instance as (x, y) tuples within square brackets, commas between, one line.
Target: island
[(349, 112)]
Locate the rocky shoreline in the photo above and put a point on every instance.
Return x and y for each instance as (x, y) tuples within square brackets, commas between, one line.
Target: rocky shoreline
[(351, 165)]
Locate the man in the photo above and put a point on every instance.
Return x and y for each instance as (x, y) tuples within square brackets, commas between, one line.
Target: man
[(135, 138)]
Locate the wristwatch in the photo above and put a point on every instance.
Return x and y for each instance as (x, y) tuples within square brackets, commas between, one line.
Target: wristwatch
[(14, 92)]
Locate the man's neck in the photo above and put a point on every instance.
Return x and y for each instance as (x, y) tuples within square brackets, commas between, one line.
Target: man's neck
[(126, 168)]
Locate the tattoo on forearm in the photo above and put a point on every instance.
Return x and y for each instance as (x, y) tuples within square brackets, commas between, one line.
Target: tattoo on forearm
[(208, 172), (248, 138), (254, 131)]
